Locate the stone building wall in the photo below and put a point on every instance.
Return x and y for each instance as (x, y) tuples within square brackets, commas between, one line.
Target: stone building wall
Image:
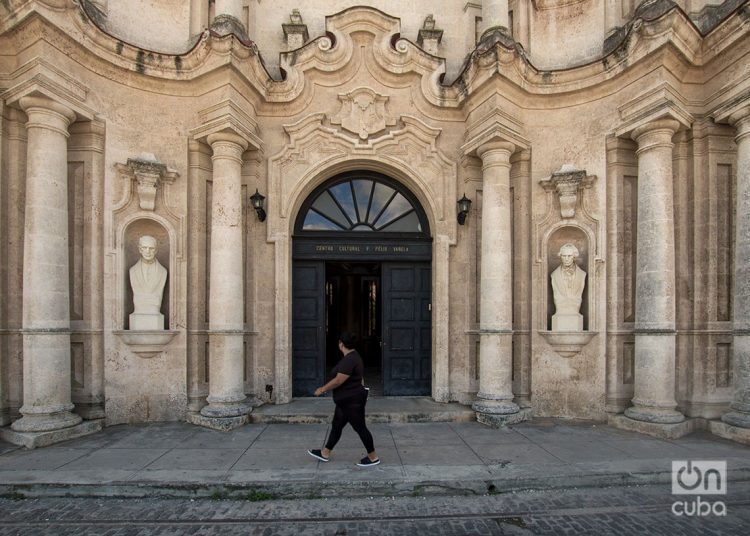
[(617, 133)]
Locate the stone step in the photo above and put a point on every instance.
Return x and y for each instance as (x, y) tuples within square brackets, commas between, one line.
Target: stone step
[(388, 409)]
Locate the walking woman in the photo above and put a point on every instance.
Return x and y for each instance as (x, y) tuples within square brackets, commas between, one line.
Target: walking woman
[(350, 397)]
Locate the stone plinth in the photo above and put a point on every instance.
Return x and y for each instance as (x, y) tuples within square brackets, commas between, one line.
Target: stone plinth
[(662, 430), (498, 421), (32, 440), (567, 322), (223, 424), (146, 322), (727, 431)]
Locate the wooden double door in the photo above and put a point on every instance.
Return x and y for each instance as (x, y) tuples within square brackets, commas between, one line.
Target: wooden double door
[(387, 305)]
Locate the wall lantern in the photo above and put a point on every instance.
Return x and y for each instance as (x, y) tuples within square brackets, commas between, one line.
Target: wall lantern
[(464, 204), (257, 200)]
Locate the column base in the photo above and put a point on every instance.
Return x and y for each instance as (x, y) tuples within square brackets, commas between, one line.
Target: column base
[(737, 418), (498, 421), (222, 410), (654, 415), (45, 422), (223, 424), (655, 429), (727, 431), (495, 407), (32, 440)]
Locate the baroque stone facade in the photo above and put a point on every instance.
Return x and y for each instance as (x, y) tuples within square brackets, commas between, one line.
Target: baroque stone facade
[(621, 128)]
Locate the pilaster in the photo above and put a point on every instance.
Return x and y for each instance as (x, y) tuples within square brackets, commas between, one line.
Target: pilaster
[(739, 410)]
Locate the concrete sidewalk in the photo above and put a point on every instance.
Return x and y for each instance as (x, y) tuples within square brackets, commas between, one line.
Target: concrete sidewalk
[(181, 460)]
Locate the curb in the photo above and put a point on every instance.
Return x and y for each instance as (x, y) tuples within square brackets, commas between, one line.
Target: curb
[(305, 489)]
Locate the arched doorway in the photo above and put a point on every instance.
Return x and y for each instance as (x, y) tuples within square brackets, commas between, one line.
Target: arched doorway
[(362, 254)]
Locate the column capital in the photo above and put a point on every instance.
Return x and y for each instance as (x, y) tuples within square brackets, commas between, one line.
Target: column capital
[(741, 121), (47, 113), (495, 153), (657, 133), (227, 137)]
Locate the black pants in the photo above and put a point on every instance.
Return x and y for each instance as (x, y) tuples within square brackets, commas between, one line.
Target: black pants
[(352, 411)]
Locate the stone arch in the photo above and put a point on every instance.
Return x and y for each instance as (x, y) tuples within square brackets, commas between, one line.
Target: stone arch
[(316, 152)]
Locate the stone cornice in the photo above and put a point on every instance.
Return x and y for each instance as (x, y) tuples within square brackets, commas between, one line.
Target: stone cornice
[(662, 102), (227, 116), (497, 63), (729, 110), (40, 78)]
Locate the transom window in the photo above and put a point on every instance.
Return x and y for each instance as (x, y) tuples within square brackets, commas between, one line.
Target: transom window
[(362, 202)]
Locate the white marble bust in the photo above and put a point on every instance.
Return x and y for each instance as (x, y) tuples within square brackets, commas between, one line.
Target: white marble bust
[(147, 279), (568, 281)]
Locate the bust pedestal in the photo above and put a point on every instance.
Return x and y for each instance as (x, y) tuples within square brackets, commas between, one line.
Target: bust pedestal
[(567, 322), (146, 322)]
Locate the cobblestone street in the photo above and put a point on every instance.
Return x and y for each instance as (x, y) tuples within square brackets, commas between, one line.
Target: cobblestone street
[(594, 511)]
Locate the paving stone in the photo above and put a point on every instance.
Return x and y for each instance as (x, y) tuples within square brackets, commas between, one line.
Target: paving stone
[(116, 458), (205, 459)]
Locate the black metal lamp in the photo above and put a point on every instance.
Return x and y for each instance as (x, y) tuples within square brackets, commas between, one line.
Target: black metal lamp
[(464, 204), (257, 200)]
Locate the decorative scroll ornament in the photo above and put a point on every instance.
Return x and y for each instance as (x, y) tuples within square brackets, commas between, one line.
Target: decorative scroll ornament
[(363, 112), (149, 173), (566, 182)]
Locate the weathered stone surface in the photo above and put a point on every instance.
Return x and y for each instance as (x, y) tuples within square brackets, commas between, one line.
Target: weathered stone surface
[(663, 430), (664, 306), (498, 421), (223, 424), (32, 440)]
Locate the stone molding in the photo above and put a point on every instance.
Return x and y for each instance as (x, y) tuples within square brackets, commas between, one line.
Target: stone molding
[(660, 103), (227, 116), (495, 132), (149, 173), (334, 52), (40, 78), (733, 110), (313, 146)]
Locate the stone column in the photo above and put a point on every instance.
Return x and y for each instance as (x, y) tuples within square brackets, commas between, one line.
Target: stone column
[(226, 396), (739, 410), (494, 15), (46, 296), (654, 399), (495, 396)]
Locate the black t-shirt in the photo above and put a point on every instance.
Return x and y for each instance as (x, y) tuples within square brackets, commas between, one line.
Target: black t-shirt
[(351, 365)]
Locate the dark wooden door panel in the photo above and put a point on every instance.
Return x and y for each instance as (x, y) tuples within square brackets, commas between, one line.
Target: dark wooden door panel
[(308, 333), (407, 323)]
